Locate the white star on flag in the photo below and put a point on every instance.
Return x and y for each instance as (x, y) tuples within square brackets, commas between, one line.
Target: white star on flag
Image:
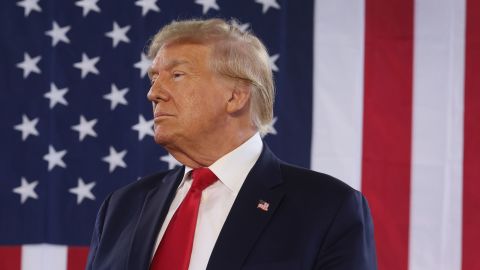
[(56, 95), (272, 59), (85, 128), (87, 65), (143, 127), (115, 159), (208, 4), (27, 127), (26, 190), (54, 158), (87, 6), (83, 190), (58, 33), (116, 96), (243, 27), (147, 5), (172, 162), (29, 65), (271, 127), (118, 34), (268, 4), (29, 5), (143, 65)]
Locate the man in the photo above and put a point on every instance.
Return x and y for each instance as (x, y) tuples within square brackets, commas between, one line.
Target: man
[(233, 205)]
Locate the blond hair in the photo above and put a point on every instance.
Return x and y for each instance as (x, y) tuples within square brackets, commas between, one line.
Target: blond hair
[(236, 54)]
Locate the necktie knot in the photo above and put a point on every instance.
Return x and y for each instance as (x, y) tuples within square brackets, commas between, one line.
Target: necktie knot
[(202, 178)]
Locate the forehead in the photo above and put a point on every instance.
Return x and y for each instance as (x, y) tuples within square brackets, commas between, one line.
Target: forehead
[(172, 55)]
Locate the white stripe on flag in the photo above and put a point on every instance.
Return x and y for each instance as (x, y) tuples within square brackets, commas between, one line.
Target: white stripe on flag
[(436, 198), (338, 89), (44, 257)]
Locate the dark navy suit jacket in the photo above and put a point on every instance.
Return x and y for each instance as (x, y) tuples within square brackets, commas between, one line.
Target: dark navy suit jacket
[(314, 221)]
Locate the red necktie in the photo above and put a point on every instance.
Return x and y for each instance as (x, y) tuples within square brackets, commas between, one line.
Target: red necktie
[(175, 248)]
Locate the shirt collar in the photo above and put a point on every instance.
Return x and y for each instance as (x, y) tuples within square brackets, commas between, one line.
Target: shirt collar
[(233, 168)]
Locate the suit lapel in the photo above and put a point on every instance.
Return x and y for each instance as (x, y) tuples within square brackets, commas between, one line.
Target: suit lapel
[(246, 221), (155, 207)]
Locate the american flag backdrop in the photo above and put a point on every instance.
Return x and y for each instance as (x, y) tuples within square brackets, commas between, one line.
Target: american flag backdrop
[(383, 94)]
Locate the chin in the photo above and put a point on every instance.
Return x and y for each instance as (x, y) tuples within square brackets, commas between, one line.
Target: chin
[(161, 139), (160, 136)]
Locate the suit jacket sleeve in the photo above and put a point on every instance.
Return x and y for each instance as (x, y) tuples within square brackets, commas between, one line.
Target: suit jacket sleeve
[(97, 232), (350, 243)]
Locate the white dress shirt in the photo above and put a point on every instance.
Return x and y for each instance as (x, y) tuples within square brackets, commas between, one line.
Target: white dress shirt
[(217, 199)]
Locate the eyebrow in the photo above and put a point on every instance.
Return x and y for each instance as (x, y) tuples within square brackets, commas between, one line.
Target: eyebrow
[(176, 63), (170, 65)]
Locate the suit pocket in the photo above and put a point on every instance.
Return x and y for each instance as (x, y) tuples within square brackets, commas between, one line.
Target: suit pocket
[(281, 265)]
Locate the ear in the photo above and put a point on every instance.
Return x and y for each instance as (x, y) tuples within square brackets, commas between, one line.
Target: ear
[(239, 99)]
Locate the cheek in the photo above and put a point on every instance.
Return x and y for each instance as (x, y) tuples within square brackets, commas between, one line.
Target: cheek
[(207, 106), (188, 111), (200, 105)]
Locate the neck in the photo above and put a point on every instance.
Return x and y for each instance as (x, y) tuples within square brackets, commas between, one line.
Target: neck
[(209, 150)]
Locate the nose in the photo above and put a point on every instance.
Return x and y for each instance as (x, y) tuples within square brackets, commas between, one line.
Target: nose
[(157, 93)]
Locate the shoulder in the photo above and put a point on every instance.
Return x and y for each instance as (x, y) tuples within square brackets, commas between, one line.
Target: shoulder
[(127, 201), (137, 190), (296, 177), (316, 188), (306, 178), (144, 183)]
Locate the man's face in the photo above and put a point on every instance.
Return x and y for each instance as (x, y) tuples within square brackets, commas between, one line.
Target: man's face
[(189, 99)]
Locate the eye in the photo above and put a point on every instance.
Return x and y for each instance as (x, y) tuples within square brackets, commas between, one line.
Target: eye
[(177, 75), (153, 78)]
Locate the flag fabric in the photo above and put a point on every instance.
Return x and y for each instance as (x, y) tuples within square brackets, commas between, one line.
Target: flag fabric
[(384, 95), (396, 115)]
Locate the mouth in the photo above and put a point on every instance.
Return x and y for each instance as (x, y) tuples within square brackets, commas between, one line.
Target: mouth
[(158, 115)]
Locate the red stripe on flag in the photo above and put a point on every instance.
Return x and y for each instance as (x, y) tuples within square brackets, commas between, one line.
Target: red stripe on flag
[(471, 160), (10, 257), (388, 126), (77, 258)]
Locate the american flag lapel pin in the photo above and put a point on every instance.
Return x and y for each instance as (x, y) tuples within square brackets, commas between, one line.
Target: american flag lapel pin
[(263, 205)]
